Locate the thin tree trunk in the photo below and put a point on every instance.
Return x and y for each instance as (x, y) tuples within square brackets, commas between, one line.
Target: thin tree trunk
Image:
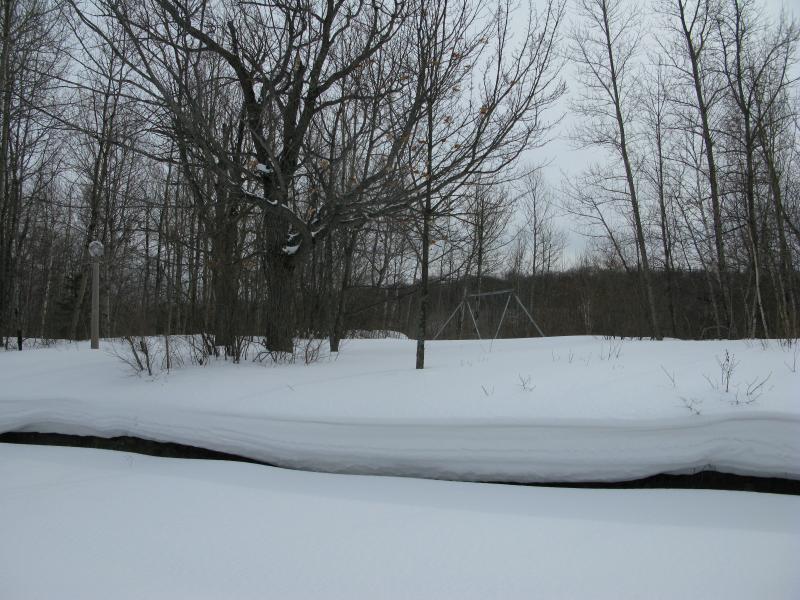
[(336, 330), (708, 143), (623, 147), (427, 213)]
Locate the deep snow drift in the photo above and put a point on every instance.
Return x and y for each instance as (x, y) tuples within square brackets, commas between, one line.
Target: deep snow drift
[(552, 409), (91, 524)]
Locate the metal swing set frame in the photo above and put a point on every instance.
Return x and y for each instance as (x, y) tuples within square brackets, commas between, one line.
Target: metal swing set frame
[(465, 302)]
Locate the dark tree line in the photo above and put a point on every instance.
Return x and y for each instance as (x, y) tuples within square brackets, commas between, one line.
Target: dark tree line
[(276, 170)]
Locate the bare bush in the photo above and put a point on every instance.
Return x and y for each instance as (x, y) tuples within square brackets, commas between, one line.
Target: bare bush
[(306, 350), (727, 366), (309, 350), (138, 353)]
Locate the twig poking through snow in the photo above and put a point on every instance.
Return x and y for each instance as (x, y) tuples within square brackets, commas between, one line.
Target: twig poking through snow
[(614, 350), (755, 389), (691, 404), (670, 376), (793, 366), (727, 366), (525, 383)]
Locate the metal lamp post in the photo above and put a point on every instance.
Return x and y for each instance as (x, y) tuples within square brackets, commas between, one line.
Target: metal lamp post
[(95, 252)]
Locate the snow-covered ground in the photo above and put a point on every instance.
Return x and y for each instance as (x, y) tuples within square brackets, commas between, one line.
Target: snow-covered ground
[(92, 524), (571, 408)]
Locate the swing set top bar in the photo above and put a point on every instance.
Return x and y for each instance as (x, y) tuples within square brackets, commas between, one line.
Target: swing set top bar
[(497, 293)]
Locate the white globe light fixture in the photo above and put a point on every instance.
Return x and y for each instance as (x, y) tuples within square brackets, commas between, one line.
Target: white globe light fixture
[(96, 249)]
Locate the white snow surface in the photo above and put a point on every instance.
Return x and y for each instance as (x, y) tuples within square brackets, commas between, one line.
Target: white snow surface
[(93, 524), (548, 409)]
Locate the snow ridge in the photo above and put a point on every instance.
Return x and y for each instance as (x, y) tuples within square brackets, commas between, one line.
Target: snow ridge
[(362, 417)]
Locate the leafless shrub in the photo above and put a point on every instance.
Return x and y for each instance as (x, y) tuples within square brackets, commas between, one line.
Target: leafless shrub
[(27, 343), (375, 334), (199, 349), (129, 357), (309, 350), (727, 366), (174, 353), (266, 355), (239, 348), (146, 351), (136, 352)]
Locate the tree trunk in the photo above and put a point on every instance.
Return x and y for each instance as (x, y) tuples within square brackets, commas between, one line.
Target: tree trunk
[(279, 330), (623, 147), (6, 232), (665, 234), (338, 319), (422, 317), (708, 142), (427, 214), (786, 270)]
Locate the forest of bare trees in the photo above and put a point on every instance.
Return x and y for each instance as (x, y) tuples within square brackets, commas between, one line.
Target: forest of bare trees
[(277, 170)]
